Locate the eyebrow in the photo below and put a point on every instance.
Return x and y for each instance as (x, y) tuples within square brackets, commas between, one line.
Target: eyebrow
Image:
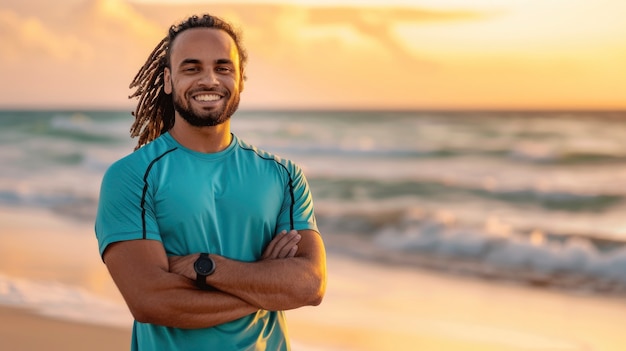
[(191, 61), (224, 61)]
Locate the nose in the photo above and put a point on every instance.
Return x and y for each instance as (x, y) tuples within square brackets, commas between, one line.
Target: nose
[(208, 79)]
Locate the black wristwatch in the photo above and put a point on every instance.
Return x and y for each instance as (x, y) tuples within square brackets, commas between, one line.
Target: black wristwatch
[(204, 266)]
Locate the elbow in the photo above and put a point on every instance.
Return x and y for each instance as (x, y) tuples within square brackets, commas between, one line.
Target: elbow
[(318, 296), (315, 300), (303, 296), (142, 315), (318, 287), (316, 291), (310, 293), (146, 312)]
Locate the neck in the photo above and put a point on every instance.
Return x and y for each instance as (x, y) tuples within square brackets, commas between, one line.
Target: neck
[(202, 139)]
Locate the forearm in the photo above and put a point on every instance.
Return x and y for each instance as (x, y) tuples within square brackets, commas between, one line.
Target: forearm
[(287, 276), (271, 284), (156, 295), (178, 303), (277, 284)]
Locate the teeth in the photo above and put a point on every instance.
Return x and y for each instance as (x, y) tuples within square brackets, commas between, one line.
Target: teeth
[(208, 97)]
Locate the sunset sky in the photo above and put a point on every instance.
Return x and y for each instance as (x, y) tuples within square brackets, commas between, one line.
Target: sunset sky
[(418, 54)]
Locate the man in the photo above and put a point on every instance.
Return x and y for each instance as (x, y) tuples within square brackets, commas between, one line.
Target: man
[(207, 238)]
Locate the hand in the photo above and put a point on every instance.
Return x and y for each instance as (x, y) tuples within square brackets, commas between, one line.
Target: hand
[(284, 245), (183, 265)]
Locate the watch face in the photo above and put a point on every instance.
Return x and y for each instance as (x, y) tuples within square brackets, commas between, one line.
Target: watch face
[(204, 266)]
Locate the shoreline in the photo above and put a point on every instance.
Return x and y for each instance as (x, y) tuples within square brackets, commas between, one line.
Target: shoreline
[(22, 329)]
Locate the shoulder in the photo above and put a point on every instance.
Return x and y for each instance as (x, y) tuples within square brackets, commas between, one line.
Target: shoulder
[(140, 161), (262, 156)]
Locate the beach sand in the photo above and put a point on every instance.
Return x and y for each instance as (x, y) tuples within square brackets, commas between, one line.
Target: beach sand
[(23, 330), (372, 307), (368, 306)]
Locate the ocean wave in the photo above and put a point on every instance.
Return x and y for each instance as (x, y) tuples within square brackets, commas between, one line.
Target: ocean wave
[(574, 263), (80, 127), (495, 250), (75, 206), (364, 189), (364, 152), (62, 301), (543, 155), (540, 158), (537, 155), (540, 138)]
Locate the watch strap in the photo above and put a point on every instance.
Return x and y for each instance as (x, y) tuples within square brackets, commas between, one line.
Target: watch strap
[(201, 279)]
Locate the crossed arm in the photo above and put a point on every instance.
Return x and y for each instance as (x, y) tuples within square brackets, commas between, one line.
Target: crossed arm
[(158, 290)]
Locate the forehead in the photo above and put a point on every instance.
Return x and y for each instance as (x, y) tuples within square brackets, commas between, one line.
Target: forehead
[(203, 44)]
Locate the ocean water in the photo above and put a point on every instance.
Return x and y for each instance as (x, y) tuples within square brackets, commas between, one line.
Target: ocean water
[(530, 197)]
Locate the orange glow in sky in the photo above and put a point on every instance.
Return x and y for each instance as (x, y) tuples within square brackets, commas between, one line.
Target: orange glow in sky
[(421, 54)]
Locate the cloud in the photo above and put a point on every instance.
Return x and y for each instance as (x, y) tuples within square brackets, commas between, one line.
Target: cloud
[(98, 45), (117, 20), (87, 51), (87, 32), (87, 56), (326, 52), (26, 38), (345, 26)]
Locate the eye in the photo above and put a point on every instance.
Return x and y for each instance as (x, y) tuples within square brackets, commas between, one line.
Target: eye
[(224, 69)]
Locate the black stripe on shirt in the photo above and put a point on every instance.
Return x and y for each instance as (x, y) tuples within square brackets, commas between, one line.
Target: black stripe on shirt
[(145, 190), (293, 201)]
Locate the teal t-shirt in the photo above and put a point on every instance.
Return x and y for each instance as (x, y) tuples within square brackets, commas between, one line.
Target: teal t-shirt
[(230, 203)]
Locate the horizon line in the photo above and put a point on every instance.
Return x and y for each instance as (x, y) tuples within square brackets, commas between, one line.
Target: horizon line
[(328, 109)]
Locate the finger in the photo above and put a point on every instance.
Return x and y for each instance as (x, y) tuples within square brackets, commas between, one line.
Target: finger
[(293, 251), (282, 244), (279, 243), (288, 244), (271, 246), (269, 250)]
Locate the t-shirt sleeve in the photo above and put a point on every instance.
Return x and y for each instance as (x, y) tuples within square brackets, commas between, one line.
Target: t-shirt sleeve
[(297, 210), (125, 207)]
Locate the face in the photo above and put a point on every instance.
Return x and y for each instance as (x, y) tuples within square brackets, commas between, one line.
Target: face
[(204, 77)]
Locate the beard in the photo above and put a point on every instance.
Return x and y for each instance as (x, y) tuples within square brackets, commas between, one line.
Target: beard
[(203, 118)]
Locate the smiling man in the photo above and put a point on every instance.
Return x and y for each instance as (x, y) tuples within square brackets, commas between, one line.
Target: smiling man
[(208, 238), (199, 71)]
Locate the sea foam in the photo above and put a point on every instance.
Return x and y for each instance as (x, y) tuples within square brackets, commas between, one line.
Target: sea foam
[(61, 301)]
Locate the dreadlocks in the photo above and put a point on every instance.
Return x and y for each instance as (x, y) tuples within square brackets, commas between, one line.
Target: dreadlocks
[(154, 114)]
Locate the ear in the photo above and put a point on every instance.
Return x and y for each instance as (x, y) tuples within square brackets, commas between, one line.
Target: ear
[(167, 81)]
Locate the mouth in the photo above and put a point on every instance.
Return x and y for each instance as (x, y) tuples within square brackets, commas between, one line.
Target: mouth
[(207, 97)]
